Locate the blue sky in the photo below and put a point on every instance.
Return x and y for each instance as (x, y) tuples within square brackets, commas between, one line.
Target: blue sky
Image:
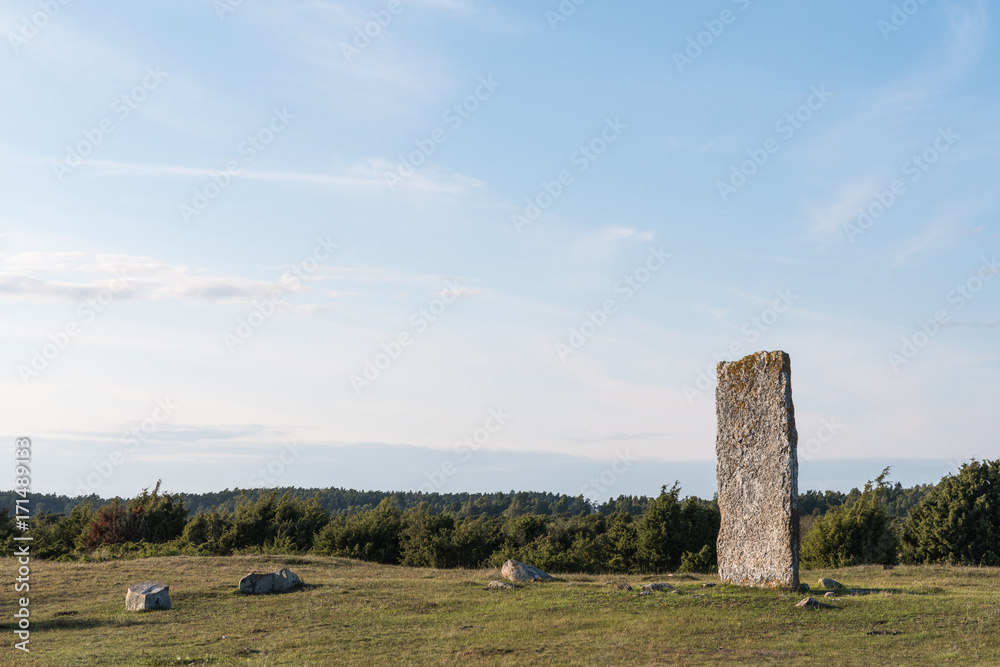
[(485, 239)]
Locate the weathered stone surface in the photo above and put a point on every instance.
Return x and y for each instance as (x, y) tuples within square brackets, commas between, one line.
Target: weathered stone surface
[(623, 587), (273, 582), (826, 582), (829, 594), (757, 472), (804, 588), (809, 603), (657, 587), (500, 585), (516, 571), (645, 592), (147, 595)]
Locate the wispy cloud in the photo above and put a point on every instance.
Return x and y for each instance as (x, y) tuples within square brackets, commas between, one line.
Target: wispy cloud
[(387, 74), (368, 173), (606, 242), (866, 147), (827, 220), (76, 276), (937, 231)]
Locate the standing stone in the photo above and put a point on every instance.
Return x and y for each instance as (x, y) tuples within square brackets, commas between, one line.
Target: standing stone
[(147, 595), (757, 473)]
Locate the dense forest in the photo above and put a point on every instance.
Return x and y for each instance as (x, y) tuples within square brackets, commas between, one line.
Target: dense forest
[(957, 520)]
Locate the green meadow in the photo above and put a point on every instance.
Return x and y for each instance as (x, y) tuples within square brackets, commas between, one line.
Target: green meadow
[(356, 613)]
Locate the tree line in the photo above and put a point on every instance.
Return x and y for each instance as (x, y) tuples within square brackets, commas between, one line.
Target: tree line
[(955, 521), (513, 503)]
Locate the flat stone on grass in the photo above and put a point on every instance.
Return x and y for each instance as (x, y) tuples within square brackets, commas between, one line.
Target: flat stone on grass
[(281, 581)]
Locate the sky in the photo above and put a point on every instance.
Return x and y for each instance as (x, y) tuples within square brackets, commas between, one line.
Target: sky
[(462, 245)]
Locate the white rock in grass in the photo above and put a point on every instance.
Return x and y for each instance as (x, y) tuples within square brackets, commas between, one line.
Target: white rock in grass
[(147, 595), (516, 571)]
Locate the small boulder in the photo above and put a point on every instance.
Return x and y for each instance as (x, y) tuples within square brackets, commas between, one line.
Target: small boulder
[(147, 595), (281, 581), (516, 571), (496, 585), (708, 585), (829, 594), (809, 603), (657, 587), (826, 582), (623, 587), (645, 592), (803, 588)]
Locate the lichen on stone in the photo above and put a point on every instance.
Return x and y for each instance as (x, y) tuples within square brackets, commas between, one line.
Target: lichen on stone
[(757, 472)]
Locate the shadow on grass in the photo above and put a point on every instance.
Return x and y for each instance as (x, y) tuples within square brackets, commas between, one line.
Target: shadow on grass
[(862, 592), (66, 623), (300, 588)]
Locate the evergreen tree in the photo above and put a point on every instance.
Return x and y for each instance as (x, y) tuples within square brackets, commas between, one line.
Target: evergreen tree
[(959, 520)]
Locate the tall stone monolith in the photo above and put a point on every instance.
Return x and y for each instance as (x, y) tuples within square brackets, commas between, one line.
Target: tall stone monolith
[(757, 472)]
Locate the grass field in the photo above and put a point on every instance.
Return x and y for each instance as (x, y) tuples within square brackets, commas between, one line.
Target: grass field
[(359, 613)]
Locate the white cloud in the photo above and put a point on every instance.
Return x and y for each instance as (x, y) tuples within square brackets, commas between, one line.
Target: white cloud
[(76, 276)]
